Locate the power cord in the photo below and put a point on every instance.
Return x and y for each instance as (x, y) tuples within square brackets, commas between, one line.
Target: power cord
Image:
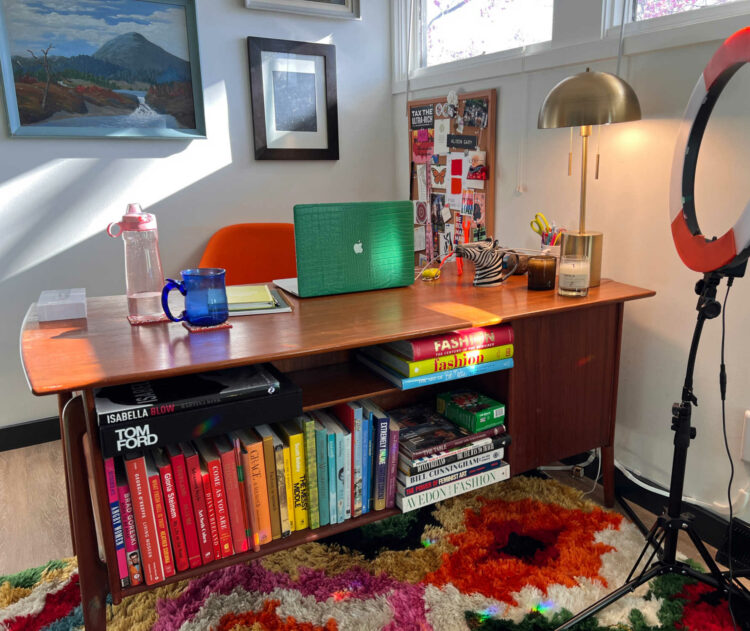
[(598, 472), (723, 388)]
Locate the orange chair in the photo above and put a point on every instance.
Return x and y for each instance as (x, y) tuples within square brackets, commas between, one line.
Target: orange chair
[(252, 252)]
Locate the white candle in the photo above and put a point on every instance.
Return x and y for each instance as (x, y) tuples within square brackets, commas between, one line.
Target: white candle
[(574, 275)]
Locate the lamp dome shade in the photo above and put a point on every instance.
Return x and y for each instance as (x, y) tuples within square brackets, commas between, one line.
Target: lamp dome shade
[(589, 98)]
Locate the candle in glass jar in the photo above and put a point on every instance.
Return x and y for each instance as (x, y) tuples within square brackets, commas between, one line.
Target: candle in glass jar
[(542, 272), (574, 275)]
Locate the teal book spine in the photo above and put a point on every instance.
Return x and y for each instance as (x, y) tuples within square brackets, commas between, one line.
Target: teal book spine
[(321, 456), (366, 463), (332, 480)]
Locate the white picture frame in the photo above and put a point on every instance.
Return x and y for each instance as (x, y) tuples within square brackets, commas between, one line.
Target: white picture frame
[(350, 9)]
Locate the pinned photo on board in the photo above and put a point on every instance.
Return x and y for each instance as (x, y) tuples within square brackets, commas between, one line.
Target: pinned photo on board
[(422, 144), (437, 203), (475, 113), (437, 175), (477, 166), (478, 214)]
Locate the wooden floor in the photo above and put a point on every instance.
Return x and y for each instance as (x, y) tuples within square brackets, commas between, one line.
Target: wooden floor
[(34, 516)]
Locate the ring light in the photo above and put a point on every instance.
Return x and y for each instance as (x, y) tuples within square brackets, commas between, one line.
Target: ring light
[(695, 250)]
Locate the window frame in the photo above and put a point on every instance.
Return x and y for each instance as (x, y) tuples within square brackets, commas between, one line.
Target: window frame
[(600, 45)]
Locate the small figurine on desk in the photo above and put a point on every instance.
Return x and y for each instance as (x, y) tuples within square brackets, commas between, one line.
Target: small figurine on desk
[(487, 257)]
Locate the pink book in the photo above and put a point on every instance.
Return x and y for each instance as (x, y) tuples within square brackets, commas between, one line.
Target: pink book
[(114, 509), (132, 555)]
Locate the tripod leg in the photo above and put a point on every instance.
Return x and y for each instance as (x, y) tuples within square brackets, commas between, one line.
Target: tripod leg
[(707, 558), (612, 597), (650, 542)]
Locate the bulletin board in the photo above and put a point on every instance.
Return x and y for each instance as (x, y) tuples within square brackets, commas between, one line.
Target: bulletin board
[(452, 182)]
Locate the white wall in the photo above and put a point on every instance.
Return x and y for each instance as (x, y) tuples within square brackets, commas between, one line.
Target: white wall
[(59, 195), (629, 203)]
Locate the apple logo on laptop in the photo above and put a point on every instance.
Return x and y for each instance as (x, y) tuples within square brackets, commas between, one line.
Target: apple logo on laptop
[(358, 247)]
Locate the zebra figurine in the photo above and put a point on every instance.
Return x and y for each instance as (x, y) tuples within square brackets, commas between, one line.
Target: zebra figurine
[(487, 257)]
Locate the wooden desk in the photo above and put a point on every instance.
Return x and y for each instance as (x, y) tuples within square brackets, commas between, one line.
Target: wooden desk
[(561, 396)]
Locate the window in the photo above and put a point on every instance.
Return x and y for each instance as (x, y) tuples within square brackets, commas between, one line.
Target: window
[(461, 29), (647, 9)]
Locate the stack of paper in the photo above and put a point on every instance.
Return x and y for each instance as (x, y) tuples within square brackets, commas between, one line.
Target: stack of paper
[(249, 297)]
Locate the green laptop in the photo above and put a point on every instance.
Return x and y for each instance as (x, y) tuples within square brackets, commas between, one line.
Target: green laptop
[(348, 247)]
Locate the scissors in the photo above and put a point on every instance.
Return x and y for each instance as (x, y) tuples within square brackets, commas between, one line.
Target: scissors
[(540, 225)]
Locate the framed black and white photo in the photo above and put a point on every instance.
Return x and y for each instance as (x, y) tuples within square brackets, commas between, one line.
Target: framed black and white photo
[(293, 93), (348, 9)]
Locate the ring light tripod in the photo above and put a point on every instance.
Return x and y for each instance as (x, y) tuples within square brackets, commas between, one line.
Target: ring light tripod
[(725, 257)]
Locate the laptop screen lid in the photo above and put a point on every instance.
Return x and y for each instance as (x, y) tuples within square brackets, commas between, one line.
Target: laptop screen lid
[(357, 246)]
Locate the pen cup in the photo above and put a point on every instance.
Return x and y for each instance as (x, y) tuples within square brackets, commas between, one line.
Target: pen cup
[(542, 272)]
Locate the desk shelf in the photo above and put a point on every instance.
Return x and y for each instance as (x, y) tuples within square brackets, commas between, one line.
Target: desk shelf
[(295, 539)]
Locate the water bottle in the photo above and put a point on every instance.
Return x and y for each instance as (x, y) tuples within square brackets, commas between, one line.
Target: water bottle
[(143, 276)]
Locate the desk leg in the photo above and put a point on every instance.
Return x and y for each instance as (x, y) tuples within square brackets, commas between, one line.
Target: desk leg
[(92, 572), (608, 474), (62, 400)]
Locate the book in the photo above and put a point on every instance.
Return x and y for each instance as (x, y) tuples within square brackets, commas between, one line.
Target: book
[(119, 404), (185, 504), (215, 478), (381, 423), (351, 416), (306, 424), (407, 466), (410, 368), (367, 455), (458, 487), (470, 409), (255, 473), (454, 342), (453, 467), (145, 522), (132, 555), (293, 437), (247, 497), (198, 498), (337, 454), (249, 297), (269, 462), (408, 383), (289, 488), (280, 306), (390, 486), (420, 487), (211, 512), (160, 515), (279, 478), (234, 497), (114, 511), (169, 492), (321, 461), (425, 432)]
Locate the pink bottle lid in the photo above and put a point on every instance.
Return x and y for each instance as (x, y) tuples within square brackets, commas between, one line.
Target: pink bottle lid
[(133, 219)]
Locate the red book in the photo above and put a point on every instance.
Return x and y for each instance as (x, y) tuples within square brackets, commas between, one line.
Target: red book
[(198, 498), (212, 462), (214, 529), (185, 504), (160, 514), (135, 567), (234, 495), (145, 522), (176, 533), (454, 342)]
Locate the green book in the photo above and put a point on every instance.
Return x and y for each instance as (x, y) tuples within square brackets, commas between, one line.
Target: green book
[(306, 423), (321, 455)]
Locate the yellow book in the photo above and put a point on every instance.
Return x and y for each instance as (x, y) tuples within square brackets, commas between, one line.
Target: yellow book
[(409, 368), (288, 483), (292, 435), (245, 297)]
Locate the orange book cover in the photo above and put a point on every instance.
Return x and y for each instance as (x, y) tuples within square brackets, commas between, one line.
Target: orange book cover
[(256, 474)]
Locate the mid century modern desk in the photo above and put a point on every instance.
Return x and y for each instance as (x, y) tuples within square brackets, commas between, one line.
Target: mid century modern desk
[(561, 396)]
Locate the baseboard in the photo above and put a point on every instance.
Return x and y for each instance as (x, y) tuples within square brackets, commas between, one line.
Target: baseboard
[(28, 434)]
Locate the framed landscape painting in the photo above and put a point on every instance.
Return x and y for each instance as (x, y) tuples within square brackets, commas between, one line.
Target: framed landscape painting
[(348, 9), (101, 68)]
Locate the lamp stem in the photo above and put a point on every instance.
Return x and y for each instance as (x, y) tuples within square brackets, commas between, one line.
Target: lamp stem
[(585, 133)]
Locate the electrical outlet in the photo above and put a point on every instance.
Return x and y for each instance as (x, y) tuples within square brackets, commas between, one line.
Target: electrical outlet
[(577, 472), (746, 438)]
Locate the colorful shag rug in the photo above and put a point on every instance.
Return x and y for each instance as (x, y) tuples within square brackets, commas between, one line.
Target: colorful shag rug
[(517, 556)]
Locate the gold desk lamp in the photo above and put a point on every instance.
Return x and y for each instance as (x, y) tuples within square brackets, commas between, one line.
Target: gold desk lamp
[(586, 99)]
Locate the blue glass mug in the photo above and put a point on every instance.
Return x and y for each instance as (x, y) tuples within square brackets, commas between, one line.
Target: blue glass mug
[(205, 296)]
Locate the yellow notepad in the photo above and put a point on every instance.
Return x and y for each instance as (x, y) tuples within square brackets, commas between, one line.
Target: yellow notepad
[(242, 297)]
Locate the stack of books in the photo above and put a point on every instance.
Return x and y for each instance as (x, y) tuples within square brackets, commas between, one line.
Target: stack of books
[(439, 358), (188, 503), (438, 459), (255, 300)]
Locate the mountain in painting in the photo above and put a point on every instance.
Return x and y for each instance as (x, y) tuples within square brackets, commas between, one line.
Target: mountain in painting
[(143, 60)]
